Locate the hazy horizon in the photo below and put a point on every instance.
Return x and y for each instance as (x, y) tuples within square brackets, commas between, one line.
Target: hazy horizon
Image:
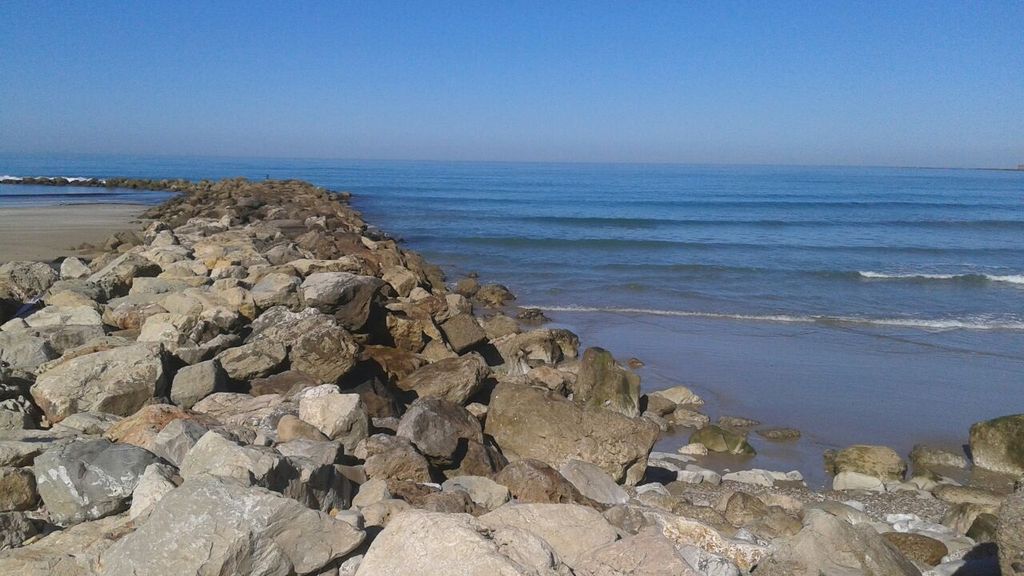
[(921, 84)]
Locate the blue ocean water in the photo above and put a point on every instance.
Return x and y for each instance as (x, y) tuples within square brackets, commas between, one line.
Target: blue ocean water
[(13, 195), (859, 304)]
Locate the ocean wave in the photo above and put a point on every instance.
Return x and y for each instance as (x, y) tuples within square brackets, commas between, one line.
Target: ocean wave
[(1008, 278), (936, 324)]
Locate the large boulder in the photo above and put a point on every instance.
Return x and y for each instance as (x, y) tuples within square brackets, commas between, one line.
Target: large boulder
[(410, 546), (115, 279), (570, 529), (253, 360), (879, 462), (999, 444), (463, 332), (69, 552), (351, 298), (117, 381), (338, 416), (829, 545), (530, 480), (193, 383), (439, 429), (89, 479), (454, 379), (24, 280), (217, 527), (593, 482), (646, 554), (602, 382), (24, 351), (1010, 534), (530, 423), (395, 458), (318, 347)]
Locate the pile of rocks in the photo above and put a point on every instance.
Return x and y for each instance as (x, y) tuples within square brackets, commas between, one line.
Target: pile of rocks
[(259, 383)]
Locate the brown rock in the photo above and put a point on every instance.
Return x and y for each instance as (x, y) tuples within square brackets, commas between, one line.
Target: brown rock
[(290, 428), (534, 481), (917, 547)]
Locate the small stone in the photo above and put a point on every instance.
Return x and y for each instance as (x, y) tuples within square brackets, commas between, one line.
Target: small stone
[(779, 434), (718, 439)]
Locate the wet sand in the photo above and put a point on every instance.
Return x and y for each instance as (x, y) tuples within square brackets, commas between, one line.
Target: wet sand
[(48, 232)]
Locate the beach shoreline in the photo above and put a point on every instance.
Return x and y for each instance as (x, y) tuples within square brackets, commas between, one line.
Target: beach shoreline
[(50, 232)]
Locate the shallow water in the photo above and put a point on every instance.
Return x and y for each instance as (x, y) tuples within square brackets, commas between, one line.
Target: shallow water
[(857, 304), (29, 195)]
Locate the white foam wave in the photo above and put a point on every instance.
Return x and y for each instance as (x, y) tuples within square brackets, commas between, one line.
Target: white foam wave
[(8, 178), (922, 323), (1009, 278)]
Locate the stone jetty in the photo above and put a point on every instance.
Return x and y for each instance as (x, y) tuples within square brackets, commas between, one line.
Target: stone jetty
[(258, 382)]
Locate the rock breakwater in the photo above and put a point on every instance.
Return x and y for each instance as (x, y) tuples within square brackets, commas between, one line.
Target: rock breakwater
[(258, 382)]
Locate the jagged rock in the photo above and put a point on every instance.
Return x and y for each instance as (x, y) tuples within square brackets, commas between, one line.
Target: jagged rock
[(401, 279), (15, 529), (998, 444), (829, 545), (917, 547), (287, 384), (118, 381), (338, 416), (352, 298), (530, 423), (439, 428), (521, 352), (602, 382), (718, 439), (1009, 535), (244, 410), (878, 461), (645, 554), (485, 492), (69, 552), (454, 379), (534, 481), (24, 351), (141, 429), (115, 279), (326, 353), (193, 383), (228, 528), (409, 546), (291, 428), (688, 532), (499, 325), (395, 458), (593, 482), (174, 441), (253, 360), (26, 279), (156, 482), (216, 455), (72, 268), (17, 489), (571, 530), (276, 289), (463, 332), (89, 479), (494, 295)]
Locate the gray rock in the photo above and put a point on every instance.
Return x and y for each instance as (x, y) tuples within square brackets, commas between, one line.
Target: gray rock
[(224, 528), (24, 351), (454, 379), (15, 529), (115, 279), (89, 479), (174, 441), (1010, 534), (193, 383), (317, 451), (409, 546), (646, 554), (156, 482), (463, 332), (118, 381), (27, 279), (593, 482), (276, 289), (72, 268), (216, 455), (438, 428)]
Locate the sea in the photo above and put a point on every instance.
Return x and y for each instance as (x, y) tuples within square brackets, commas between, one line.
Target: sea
[(859, 305)]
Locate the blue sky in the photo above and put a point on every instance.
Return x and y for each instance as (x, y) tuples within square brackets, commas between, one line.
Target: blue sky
[(879, 83)]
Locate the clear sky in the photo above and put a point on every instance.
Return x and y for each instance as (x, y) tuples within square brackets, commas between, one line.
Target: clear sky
[(929, 83)]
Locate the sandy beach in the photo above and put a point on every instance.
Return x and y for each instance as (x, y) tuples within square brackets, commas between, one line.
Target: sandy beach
[(48, 232)]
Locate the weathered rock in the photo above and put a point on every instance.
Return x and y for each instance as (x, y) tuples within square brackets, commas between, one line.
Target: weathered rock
[(856, 481), (193, 383), (291, 428), (69, 552), (718, 439), (156, 482), (17, 489), (494, 295), (779, 434), (215, 455), (998, 444), (1010, 535), (401, 279), (26, 279), (439, 428), (454, 379), (15, 529), (287, 384), (917, 547), (571, 530), (686, 418), (593, 482), (395, 458), (231, 529), (142, 428), (463, 332), (878, 461), (646, 554), (409, 546), (485, 492), (72, 268), (115, 279), (253, 360), (688, 532), (927, 457), (24, 351), (326, 353), (338, 416), (118, 381), (603, 383), (174, 441), (89, 479), (276, 289), (530, 423), (679, 395), (534, 481), (260, 412), (521, 352), (828, 545)]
